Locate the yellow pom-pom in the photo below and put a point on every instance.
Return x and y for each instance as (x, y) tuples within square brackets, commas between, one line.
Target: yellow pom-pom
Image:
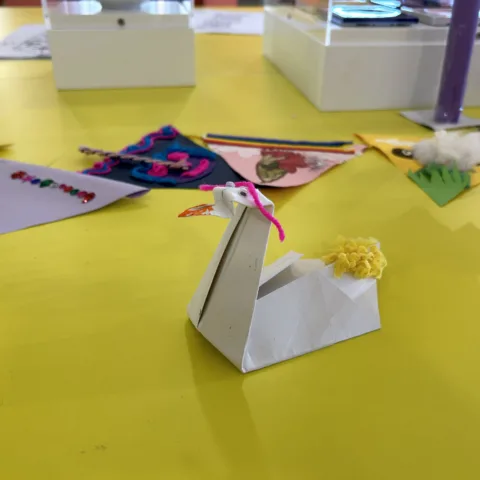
[(359, 256), (330, 258), (363, 270)]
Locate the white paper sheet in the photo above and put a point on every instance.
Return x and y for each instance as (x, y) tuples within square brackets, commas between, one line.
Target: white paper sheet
[(28, 42), (23, 204), (281, 264), (228, 22)]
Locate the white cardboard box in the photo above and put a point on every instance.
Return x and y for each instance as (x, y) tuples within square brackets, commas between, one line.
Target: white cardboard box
[(117, 49), (258, 316), (367, 68)]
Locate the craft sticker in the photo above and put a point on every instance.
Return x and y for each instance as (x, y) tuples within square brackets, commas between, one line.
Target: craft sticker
[(83, 195)]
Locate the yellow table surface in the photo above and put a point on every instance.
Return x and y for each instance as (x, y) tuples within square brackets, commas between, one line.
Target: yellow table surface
[(103, 377)]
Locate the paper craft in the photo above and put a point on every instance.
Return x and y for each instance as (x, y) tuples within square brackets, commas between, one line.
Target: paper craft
[(227, 22), (28, 42), (281, 163), (163, 159), (32, 195), (440, 184), (257, 316)]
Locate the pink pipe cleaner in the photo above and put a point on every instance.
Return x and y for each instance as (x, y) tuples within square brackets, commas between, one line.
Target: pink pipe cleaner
[(253, 193), (198, 170)]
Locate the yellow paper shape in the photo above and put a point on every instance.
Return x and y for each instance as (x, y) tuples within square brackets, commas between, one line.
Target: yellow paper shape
[(398, 149)]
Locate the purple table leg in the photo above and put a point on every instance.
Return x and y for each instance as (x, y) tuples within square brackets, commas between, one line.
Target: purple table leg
[(461, 39)]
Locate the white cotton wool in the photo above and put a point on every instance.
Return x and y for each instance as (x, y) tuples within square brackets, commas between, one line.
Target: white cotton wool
[(462, 150)]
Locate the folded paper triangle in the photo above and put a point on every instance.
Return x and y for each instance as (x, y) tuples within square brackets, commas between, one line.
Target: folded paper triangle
[(442, 184), (162, 159), (258, 316), (281, 163)]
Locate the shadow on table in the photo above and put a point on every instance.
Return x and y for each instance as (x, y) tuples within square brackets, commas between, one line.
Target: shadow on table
[(138, 96), (220, 391), (281, 196)]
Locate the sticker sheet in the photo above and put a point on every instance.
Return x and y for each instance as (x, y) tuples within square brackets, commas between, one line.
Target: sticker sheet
[(33, 195)]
